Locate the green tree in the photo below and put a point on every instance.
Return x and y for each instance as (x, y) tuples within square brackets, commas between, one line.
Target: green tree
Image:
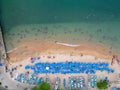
[(102, 85), (42, 86)]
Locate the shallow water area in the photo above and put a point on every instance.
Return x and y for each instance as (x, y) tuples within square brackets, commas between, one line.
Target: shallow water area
[(102, 35)]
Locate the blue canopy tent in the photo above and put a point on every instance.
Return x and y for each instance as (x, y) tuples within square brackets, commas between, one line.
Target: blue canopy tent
[(27, 67)]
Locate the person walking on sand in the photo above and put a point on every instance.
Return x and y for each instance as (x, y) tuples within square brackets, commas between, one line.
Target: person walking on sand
[(6, 68)]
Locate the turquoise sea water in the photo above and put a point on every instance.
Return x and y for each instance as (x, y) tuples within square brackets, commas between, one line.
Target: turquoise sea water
[(69, 21)]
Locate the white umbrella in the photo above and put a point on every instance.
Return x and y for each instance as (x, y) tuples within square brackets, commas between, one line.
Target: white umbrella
[(47, 68)]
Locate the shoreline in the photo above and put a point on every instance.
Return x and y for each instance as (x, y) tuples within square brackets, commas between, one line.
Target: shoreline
[(29, 49), (9, 51), (54, 53)]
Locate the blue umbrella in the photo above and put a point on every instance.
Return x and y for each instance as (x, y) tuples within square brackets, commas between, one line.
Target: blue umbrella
[(12, 69), (114, 88), (27, 67), (1, 64), (112, 71), (118, 88)]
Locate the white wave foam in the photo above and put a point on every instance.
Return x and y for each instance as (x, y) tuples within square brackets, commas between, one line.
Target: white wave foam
[(66, 44), (11, 50)]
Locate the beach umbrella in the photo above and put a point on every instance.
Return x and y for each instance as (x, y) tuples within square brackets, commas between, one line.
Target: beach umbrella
[(12, 69), (114, 88), (106, 64), (37, 58), (118, 88), (47, 68), (1, 64), (86, 72), (112, 71), (37, 64), (32, 61), (27, 67)]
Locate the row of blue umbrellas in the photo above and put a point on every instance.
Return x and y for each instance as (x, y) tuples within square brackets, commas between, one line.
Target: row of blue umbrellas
[(69, 68)]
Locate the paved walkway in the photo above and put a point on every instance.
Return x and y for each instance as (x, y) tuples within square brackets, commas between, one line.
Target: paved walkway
[(12, 84), (6, 81)]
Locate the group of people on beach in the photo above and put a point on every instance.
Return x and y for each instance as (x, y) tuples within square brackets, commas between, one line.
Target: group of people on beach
[(115, 59)]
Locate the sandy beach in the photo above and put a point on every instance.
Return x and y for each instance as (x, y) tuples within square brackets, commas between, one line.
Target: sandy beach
[(53, 53), (59, 52), (29, 49), (70, 38)]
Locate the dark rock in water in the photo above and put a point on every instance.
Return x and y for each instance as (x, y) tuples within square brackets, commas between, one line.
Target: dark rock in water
[(52, 33), (114, 38), (82, 32), (36, 34), (91, 36), (38, 30), (75, 30), (26, 31), (65, 32), (104, 37), (24, 35), (18, 34), (21, 37), (79, 29), (33, 28), (100, 41), (69, 32), (13, 34), (99, 30), (45, 32), (46, 28)]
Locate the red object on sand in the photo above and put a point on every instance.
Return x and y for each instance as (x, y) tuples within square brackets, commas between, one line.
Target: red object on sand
[(31, 58)]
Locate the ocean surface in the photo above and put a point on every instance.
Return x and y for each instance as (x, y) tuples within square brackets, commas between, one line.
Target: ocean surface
[(67, 21)]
